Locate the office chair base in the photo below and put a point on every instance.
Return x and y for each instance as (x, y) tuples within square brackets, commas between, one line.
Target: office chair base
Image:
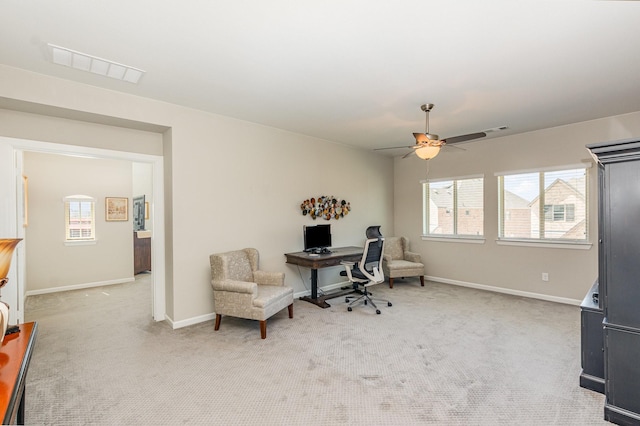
[(365, 299)]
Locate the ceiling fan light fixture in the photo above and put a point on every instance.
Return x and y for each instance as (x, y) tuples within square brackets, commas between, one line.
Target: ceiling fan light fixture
[(425, 137), (427, 152)]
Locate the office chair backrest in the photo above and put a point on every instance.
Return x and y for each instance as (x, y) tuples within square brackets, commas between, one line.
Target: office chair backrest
[(373, 231), (371, 263)]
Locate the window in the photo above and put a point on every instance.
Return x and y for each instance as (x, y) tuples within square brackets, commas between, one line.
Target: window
[(546, 205), (454, 207), (559, 212), (79, 218)]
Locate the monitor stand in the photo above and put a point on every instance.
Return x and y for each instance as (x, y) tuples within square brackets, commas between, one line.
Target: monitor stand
[(324, 250)]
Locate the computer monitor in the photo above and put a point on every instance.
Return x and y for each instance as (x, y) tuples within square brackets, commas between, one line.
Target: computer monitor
[(316, 238)]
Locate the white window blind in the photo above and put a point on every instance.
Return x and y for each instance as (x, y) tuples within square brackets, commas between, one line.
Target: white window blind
[(454, 207), (79, 218), (544, 205)]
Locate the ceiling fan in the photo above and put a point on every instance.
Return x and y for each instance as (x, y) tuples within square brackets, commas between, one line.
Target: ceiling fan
[(428, 145)]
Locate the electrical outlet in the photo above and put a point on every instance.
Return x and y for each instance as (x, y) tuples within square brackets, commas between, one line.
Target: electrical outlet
[(545, 276)]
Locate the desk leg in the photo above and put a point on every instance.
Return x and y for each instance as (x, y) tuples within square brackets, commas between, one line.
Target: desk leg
[(322, 300), (314, 283), (314, 292)]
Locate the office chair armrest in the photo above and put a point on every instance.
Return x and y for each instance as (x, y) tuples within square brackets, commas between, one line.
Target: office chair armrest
[(348, 266), (268, 278), (235, 286), (412, 257)]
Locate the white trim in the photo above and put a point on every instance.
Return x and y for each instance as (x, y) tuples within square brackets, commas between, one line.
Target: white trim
[(549, 298), (76, 150), (156, 212), (209, 317), (79, 286), (546, 169), (546, 244), (322, 289), (454, 239), (80, 242), (423, 181), (190, 321)]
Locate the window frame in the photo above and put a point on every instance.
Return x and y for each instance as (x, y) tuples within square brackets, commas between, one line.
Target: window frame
[(547, 212), (456, 211), (67, 201)]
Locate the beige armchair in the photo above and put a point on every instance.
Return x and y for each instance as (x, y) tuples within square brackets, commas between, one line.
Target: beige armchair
[(241, 290), (399, 262)]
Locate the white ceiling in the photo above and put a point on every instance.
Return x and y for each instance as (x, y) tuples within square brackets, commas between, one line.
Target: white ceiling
[(351, 71)]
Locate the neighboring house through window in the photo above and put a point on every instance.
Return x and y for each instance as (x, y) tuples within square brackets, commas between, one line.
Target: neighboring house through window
[(79, 218), (548, 205), (454, 207)]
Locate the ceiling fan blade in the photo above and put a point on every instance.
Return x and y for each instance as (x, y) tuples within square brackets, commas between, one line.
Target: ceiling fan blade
[(459, 148), (464, 138), (393, 147), (407, 154)]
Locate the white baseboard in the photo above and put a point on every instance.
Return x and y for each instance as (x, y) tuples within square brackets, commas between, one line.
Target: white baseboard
[(79, 286), (210, 317), (325, 288), (567, 301), (511, 291), (190, 321)]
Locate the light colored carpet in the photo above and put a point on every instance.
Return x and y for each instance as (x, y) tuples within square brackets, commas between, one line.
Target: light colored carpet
[(442, 355)]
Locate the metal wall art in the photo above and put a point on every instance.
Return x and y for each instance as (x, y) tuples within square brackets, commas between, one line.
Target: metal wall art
[(325, 207)]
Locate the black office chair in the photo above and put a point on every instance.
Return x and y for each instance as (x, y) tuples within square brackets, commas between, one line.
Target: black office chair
[(368, 271)]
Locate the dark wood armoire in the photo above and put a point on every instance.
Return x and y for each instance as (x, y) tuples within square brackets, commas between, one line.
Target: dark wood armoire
[(613, 318)]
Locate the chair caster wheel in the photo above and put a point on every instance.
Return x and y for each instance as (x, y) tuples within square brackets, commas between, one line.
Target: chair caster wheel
[(346, 300), (378, 311), (389, 304), (349, 309), (365, 302)]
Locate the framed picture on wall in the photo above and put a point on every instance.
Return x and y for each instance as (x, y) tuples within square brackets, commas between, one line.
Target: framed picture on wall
[(116, 209)]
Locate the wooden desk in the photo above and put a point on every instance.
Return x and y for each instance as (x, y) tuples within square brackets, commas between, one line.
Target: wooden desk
[(15, 354), (324, 260)]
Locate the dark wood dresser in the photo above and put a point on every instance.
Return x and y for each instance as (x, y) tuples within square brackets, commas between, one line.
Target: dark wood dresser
[(141, 253), (15, 355)]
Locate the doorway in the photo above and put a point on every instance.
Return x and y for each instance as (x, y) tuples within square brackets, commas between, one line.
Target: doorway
[(156, 212)]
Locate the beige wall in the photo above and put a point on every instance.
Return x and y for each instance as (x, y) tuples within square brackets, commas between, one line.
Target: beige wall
[(229, 183), (232, 184), (571, 272), (50, 262), (23, 125)]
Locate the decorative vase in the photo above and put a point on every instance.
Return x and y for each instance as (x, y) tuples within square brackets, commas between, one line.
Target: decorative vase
[(7, 246)]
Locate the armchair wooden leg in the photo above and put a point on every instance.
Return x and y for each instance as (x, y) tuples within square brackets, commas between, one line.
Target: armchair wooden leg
[(422, 280), (217, 325), (390, 282), (263, 329), (290, 307)]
